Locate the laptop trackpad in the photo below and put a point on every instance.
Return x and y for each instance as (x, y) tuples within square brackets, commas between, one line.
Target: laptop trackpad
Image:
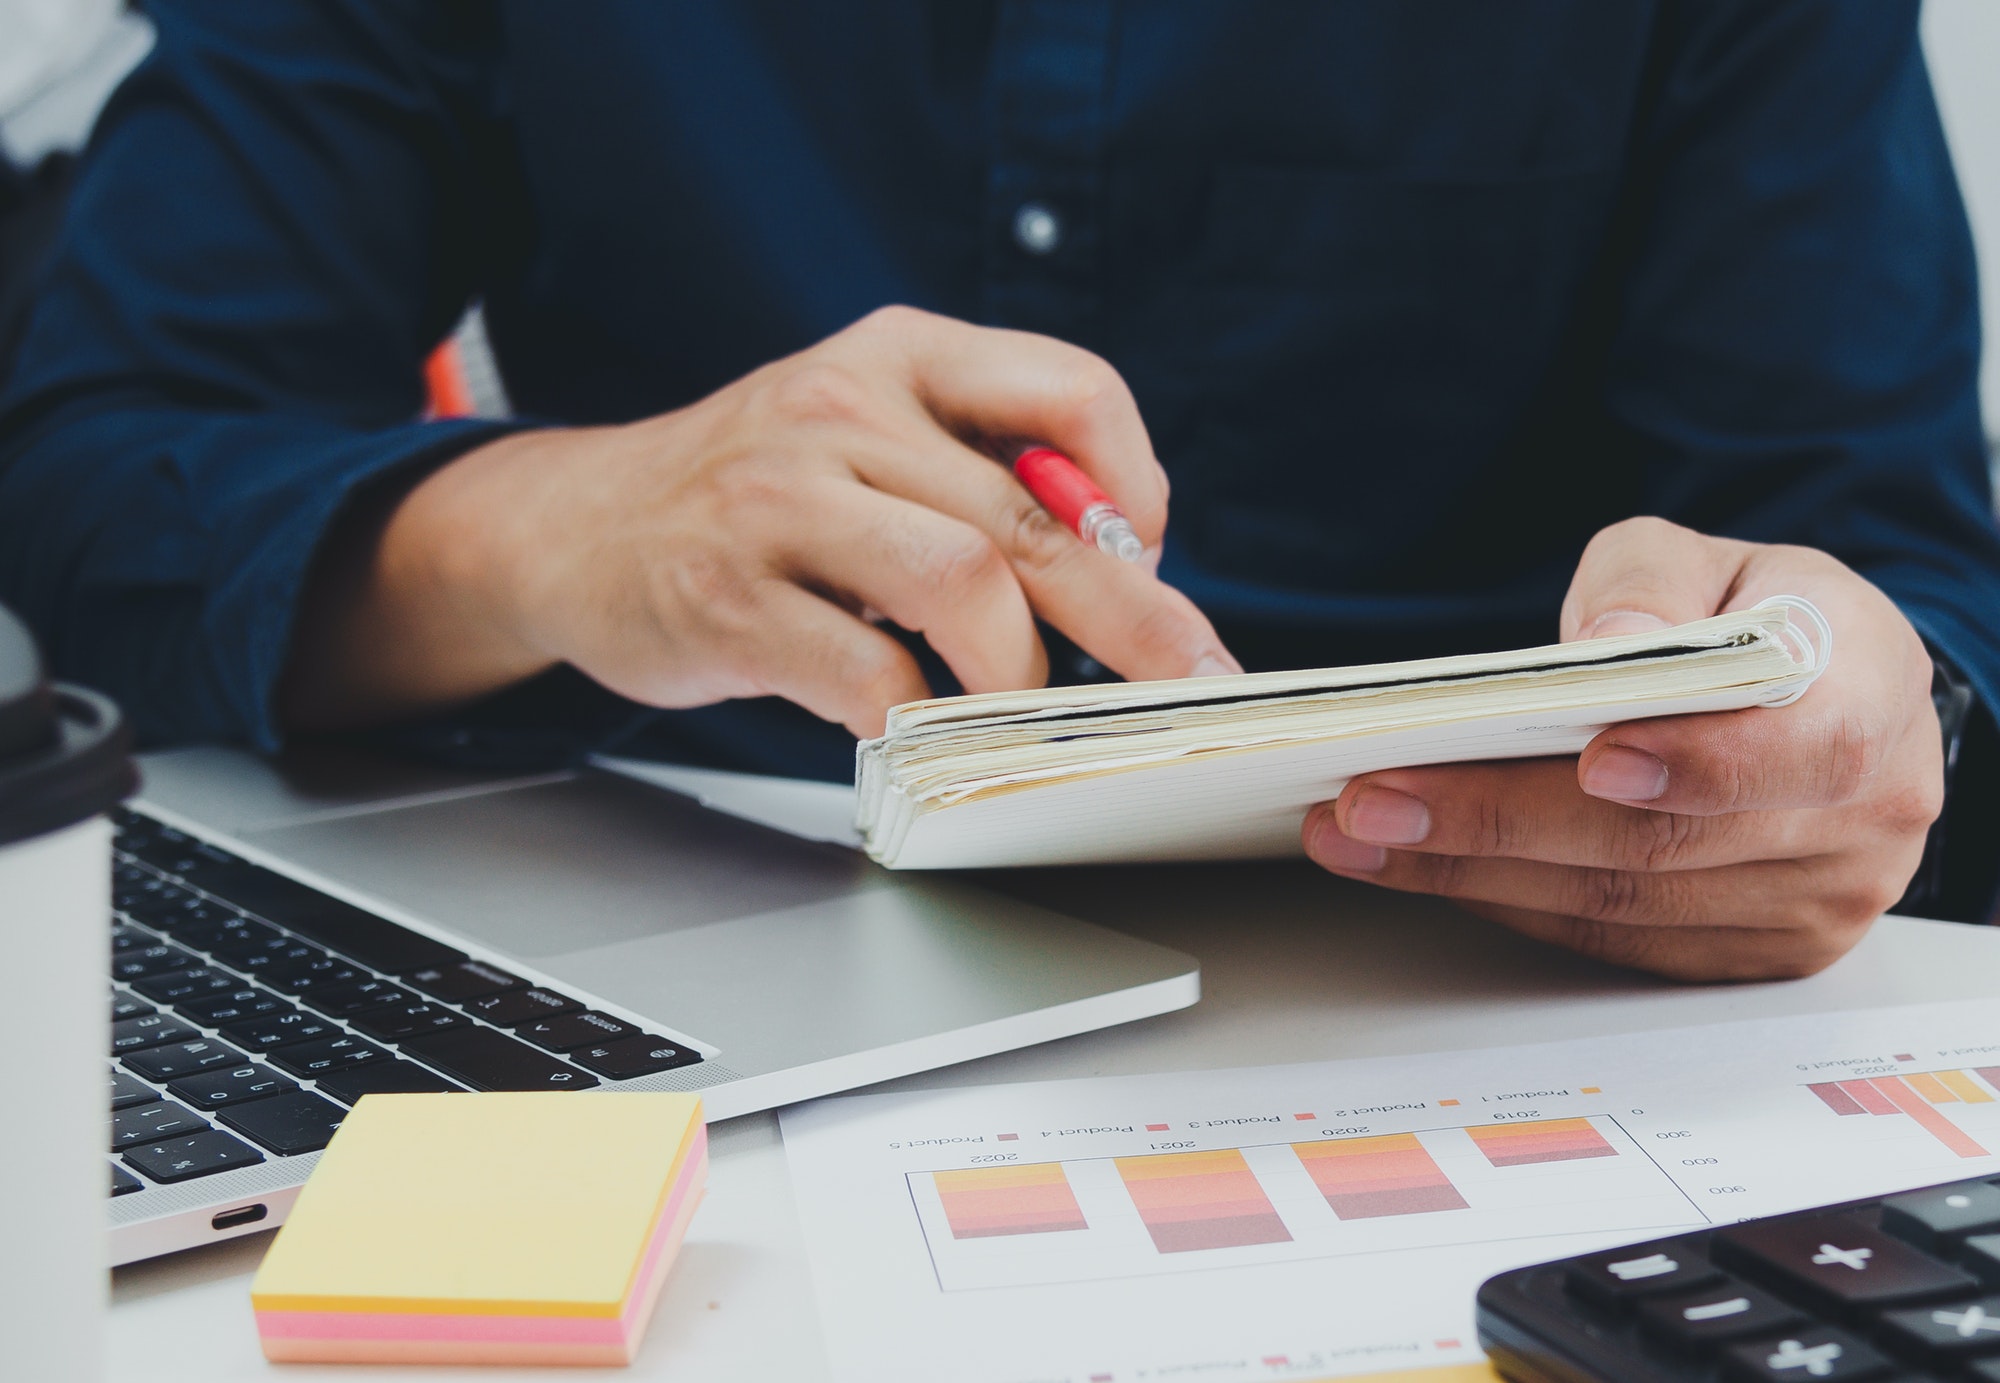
[(553, 868)]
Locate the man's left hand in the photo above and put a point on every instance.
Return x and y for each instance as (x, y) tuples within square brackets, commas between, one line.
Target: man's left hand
[(1751, 844)]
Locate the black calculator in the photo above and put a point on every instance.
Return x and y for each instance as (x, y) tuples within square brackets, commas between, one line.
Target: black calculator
[(1905, 1287)]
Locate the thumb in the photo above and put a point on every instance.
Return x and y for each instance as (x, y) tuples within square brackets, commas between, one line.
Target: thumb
[(1647, 574)]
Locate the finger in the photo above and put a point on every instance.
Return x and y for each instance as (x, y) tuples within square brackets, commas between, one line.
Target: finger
[(928, 572), (1646, 574), (991, 382), (810, 651), (1533, 809), (1821, 891), (1684, 953), (1117, 612)]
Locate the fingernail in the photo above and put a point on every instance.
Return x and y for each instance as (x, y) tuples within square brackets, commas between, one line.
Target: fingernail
[(1623, 622), (1388, 817), (1625, 775), (1331, 849), (1218, 664)]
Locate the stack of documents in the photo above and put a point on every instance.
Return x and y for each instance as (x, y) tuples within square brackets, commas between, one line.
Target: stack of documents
[(1225, 767), (485, 1229)]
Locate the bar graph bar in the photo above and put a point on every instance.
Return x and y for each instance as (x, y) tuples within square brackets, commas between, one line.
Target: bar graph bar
[(1914, 1094), (1200, 1200), (1964, 1086), (1365, 1178), (1544, 1140), (985, 1201)]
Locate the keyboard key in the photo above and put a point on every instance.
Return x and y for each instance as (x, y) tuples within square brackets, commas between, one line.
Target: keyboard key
[(391, 1077), (231, 934), (125, 1006), (339, 1000), (275, 1030), (156, 959), (127, 1093), (310, 1059), (374, 941), (177, 1059), (199, 1155), (293, 1123), (189, 916), (1817, 1355), (634, 1056), (1837, 1261), (235, 1006), (123, 1183), (567, 1032), (1985, 1371), (150, 1123), (489, 1060), (1938, 1219), (124, 938), (261, 959), (1946, 1333), (1723, 1311), (1624, 1275), (148, 1030), (1981, 1254), (178, 986), (236, 1085), (399, 1021), (462, 980), (513, 1007), (301, 981)]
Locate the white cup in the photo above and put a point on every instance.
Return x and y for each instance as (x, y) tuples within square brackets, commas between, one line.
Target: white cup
[(55, 912)]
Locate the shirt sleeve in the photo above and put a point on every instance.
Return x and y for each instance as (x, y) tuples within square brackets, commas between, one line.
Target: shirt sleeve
[(1796, 347), (278, 218)]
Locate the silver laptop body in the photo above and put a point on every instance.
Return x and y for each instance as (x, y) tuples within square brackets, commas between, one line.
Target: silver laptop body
[(794, 968)]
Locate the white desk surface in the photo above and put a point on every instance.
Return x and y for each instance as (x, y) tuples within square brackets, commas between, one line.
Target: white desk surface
[(1296, 967)]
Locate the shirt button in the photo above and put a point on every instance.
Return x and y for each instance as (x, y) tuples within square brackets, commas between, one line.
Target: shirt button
[(1037, 229)]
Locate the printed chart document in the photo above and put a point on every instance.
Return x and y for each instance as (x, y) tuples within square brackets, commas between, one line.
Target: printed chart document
[(1315, 1221)]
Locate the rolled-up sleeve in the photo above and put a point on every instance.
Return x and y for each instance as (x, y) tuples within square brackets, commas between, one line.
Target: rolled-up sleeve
[(279, 216)]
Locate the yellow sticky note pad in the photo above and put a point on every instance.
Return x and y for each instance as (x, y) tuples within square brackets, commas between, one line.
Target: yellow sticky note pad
[(502, 1228)]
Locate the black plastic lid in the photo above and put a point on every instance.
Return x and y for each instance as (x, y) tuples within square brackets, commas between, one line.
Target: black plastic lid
[(65, 753)]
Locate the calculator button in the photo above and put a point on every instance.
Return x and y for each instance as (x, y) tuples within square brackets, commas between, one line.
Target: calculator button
[(1838, 1261), (1818, 1355), (1946, 1332), (1727, 1310), (1938, 1218), (1981, 1254), (1625, 1275)]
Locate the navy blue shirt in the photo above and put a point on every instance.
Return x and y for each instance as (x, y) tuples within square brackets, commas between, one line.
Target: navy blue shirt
[(1415, 295)]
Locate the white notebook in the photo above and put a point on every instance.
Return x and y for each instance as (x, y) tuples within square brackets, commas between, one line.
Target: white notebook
[(1225, 767)]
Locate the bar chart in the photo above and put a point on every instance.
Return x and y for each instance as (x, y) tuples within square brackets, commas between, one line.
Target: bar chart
[(1920, 1096), (1146, 1213)]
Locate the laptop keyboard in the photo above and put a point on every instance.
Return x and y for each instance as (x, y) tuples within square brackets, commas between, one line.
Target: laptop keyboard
[(248, 1012)]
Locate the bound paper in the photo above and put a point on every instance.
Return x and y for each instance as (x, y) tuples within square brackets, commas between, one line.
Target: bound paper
[(1225, 767)]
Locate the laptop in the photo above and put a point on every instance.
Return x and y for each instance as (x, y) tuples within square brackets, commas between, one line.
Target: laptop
[(290, 935)]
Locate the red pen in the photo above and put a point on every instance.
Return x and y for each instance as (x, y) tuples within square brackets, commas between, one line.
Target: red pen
[(1066, 492)]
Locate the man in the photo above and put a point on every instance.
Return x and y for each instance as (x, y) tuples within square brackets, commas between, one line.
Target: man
[(1419, 302)]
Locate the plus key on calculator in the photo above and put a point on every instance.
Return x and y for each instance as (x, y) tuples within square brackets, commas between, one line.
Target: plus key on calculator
[(1905, 1287)]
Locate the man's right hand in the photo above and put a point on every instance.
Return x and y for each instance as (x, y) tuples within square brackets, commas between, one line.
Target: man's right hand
[(730, 548)]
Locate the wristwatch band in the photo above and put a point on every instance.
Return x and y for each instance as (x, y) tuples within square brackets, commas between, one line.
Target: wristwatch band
[(1955, 702)]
